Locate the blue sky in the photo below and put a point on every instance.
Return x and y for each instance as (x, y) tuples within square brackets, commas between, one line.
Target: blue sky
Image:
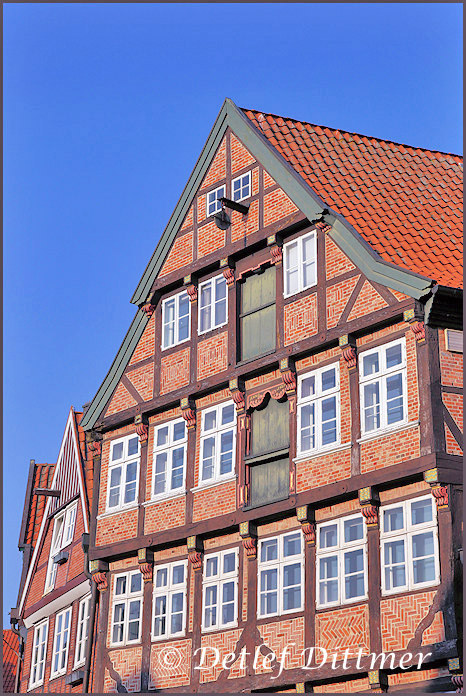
[(106, 109)]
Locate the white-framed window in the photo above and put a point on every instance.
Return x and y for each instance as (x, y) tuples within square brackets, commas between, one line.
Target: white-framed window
[(220, 590), (63, 531), (281, 575), (241, 187), (169, 600), (218, 440), (383, 388), (176, 320), (39, 654), (300, 264), (213, 311), (61, 643), (213, 200), (409, 545), (454, 340), (341, 561), (82, 631), (169, 469), (127, 608), (319, 409), (123, 473)]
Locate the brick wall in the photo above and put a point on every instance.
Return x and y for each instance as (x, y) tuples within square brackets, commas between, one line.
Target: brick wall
[(277, 635), (336, 262), (240, 157), (277, 205), (348, 686), (367, 301), (165, 514), (211, 502), (417, 675), (174, 371), (268, 181), (454, 404), (401, 616), (300, 319), (343, 628), (146, 346), (189, 219), (117, 527), (217, 169), (322, 470), (386, 450), (337, 299), (212, 355), (209, 238), (126, 663), (121, 400), (451, 364), (225, 642), (180, 254), (142, 378), (243, 225), (170, 664)]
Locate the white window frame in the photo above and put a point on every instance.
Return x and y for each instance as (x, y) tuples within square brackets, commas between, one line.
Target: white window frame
[(213, 302), (59, 649), (126, 598), (82, 631), (216, 202), (381, 378), (168, 449), (39, 644), (176, 339), (317, 399), (406, 534), (123, 463), (219, 580), (216, 433), (64, 524), (339, 550), (239, 178), (280, 564), (169, 590), (300, 267), (454, 340)]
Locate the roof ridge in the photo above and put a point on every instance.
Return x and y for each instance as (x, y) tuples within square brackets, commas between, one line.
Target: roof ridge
[(361, 135)]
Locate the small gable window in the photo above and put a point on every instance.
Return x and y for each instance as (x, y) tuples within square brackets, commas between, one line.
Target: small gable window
[(213, 200), (123, 473), (212, 304), (241, 187), (176, 316), (62, 536), (300, 261)]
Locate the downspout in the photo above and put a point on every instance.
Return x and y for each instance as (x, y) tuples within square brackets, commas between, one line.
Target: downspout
[(17, 632), (92, 614)]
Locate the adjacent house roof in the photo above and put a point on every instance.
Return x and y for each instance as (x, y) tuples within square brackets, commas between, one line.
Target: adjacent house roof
[(10, 660), (405, 201), (34, 505)]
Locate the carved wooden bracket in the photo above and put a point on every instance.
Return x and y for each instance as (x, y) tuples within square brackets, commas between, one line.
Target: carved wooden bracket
[(305, 516), (348, 350), (457, 680), (188, 411), (237, 394), (94, 443), (414, 317), (369, 502), (276, 254), (248, 533), (192, 293), (195, 552), (323, 226), (255, 400), (146, 563), (419, 330), (440, 494), (98, 570), (229, 276), (370, 514), (288, 373), (148, 309), (142, 428)]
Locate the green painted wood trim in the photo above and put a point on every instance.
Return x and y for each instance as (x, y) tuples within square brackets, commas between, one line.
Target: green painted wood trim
[(116, 370)]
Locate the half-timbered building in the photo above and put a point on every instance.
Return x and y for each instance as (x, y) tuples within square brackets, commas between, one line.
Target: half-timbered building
[(277, 445), (54, 601)]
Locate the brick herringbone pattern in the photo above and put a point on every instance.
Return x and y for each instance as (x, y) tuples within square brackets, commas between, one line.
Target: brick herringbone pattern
[(337, 299), (279, 634), (300, 319), (400, 616), (435, 633), (350, 686), (416, 675), (174, 371), (368, 297), (146, 346), (127, 664), (170, 664), (212, 355), (225, 643), (343, 628), (121, 400), (336, 262), (142, 379)]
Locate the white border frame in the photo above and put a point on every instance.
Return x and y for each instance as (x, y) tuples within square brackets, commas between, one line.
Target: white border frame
[(218, 581), (279, 564), (123, 462), (216, 434), (213, 326), (37, 627), (176, 341), (48, 587), (79, 663), (172, 492), (241, 176), (63, 670), (207, 213), (335, 391), (126, 599), (168, 591), (300, 242)]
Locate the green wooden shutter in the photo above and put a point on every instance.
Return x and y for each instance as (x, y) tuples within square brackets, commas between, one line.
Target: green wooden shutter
[(258, 314), (269, 482), (270, 428)]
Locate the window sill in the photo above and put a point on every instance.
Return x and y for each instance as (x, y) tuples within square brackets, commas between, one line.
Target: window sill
[(109, 513), (314, 454), (57, 675), (163, 498), (175, 345), (410, 590), (387, 431), (219, 629), (212, 484), (160, 639), (212, 329), (277, 615), (341, 605)]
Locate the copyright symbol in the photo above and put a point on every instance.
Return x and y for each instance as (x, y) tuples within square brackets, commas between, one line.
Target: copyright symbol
[(170, 657)]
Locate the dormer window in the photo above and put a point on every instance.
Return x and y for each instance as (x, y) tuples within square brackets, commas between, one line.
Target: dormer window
[(300, 264), (213, 200), (241, 187)]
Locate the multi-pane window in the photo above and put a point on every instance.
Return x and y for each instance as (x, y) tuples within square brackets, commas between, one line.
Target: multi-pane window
[(241, 187), (319, 409), (281, 566), (39, 653), (123, 472), (212, 304), (220, 590), (341, 561), (213, 200), (176, 320), (61, 643), (82, 631), (382, 377), (62, 536), (169, 458), (409, 545), (127, 608), (258, 314), (169, 601), (300, 264), (218, 438)]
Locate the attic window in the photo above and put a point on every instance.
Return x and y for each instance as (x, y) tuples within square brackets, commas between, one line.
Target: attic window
[(213, 200), (454, 340), (241, 187), (63, 532), (300, 261)]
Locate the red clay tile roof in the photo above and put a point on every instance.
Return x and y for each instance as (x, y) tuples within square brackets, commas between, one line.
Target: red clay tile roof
[(43, 474), (10, 659), (405, 201)]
